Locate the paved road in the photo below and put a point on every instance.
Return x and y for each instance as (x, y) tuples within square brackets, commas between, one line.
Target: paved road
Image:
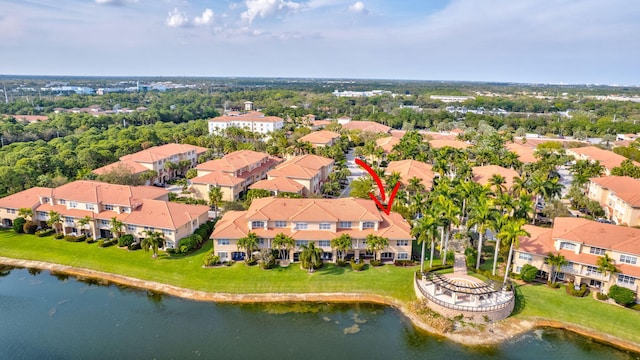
[(356, 171)]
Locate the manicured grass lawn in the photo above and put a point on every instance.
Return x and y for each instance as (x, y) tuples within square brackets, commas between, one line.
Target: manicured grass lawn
[(556, 304), (187, 271)]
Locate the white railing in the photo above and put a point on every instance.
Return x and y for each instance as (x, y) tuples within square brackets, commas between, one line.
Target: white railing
[(627, 285)]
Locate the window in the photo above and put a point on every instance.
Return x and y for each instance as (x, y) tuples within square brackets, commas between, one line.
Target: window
[(257, 224), (560, 276), (567, 245), (301, 226), (325, 226), (281, 224), (518, 269), (386, 255), (146, 228), (124, 209), (104, 222), (525, 256), (88, 206), (45, 199), (170, 244), (403, 242), (324, 243), (108, 207), (592, 269), (403, 256), (368, 225), (68, 219), (596, 251), (73, 204), (11, 211), (628, 259), (299, 243), (41, 214), (223, 241), (62, 202), (626, 280), (131, 227), (344, 224), (167, 232), (223, 255)]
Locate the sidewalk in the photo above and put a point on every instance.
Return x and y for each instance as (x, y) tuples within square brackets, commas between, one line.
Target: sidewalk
[(460, 264)]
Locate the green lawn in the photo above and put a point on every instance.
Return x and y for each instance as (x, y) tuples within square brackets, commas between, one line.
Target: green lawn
[(555, 304), (187, 271)]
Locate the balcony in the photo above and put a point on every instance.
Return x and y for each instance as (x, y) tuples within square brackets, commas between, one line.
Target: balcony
[(590, 274), (632, 287)]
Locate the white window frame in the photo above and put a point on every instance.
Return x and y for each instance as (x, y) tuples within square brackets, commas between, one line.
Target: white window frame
[(597, 251), (403, 256), (324, 226), (628, 259), (223, 241), (368, 225), (403, 242), (280, 224), (525, 256), (257, 224), (324, 243)]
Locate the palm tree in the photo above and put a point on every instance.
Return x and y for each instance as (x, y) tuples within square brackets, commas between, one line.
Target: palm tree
[(391, 181), (519, 186), (55, 220), (249, 243), (215, 196), (498, 181), (606, 265), (556, 262), (425, 229), (84, 222), (497, 226), (448, 212), (483, 215), (284, 244), (311, 256), (415, 186), (116, 227), (342, 244), (376, 244), (510, 233), (153, 240), (26, 213)]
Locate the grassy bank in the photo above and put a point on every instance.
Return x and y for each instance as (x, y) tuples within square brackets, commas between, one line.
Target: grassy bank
[(534, 301), (187, 271)]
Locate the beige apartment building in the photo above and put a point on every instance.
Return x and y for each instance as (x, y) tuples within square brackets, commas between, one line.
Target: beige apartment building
[(313, 220), (233, 173), (619, 196), (608, 159), (321, 138), (139, 208), (310, 171), (582, 242)]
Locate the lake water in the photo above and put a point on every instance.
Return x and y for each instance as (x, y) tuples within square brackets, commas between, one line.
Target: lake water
[(43, 316)]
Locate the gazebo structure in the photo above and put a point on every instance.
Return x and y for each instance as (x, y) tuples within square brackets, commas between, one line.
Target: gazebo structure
[(458, 293)]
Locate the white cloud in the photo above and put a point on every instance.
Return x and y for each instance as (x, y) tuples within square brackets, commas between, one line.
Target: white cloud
[(267, 8), (205, 19), (177, 19), (115, 2), (358, 7)]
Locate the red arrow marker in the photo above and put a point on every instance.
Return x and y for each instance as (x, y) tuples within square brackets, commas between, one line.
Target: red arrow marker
[(385, 209)]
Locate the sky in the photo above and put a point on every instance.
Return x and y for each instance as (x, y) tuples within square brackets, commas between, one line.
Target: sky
[(527, 41)]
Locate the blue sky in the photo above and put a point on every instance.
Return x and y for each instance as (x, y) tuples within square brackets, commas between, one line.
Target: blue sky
[(562, 41)]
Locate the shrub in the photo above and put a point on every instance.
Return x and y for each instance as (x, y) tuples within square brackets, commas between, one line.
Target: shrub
[(71, 238), (211, 259), (622, 295), (44, 232), (251, 261), (471, 255), (101, 243), (18, 225), (553, 286), (30, 227), (134, 246), (635, 307), (125, 240), (375, 262), (58, 236), (341, 263), (107, 243), (528, 273), (571, 290), (171, 251), (90, 240), (404, 263), (357, 266), (229, 263), (82, 237), (601, 296)]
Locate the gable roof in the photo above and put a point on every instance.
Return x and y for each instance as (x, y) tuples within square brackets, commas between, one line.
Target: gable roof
[(162, 152), (301, 167), (165, 214), (344, 209), (624, 187), (218, 179), (525, 153), (387, 143), (279, 184), (133, 166), (26, 198), (100, 192), (320, 137), (408, 169), (368, 126), (607, 236), (235, 161), (607, 158)]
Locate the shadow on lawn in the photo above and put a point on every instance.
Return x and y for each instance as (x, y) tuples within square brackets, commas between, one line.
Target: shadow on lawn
[(331, 269), (521, 301), (204, 249)]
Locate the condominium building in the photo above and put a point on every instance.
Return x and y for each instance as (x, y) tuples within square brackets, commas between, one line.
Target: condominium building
[(254, 121), (366, 126), (321, 138), (233, 173), (315, 221), (139, 208), (181, 156), (619, 196), (582, 242), (409, 169), (310, 171), (608, 159)]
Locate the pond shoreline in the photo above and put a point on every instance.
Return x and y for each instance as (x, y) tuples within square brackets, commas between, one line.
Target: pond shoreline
[(485, 335)]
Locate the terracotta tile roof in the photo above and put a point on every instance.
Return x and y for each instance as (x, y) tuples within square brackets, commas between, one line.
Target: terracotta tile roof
[(165, 214), (387, 143), (624, 187), (408, 169), (27, 118), (540, 242), (482, 174), (368, 126), (133, 166), (252, 116), (76, 213), (608, 159), (278, 184), (25, 199), (301, 167), (237, 160), (217, 178), (320, 137), (456, 144), (234, 224), (525, 153), (607, 236), (320, 123), (397, 133), (99, 192), (432, 135), (162, 152)]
